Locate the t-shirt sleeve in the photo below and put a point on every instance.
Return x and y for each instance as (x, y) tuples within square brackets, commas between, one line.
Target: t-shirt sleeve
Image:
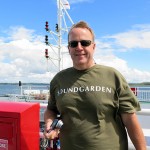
[(52, 101), (128, 102)]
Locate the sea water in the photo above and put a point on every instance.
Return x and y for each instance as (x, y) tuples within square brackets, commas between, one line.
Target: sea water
[(14, 88), (8, 88)]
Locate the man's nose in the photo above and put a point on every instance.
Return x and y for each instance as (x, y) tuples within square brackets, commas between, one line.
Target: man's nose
[(79, 46)]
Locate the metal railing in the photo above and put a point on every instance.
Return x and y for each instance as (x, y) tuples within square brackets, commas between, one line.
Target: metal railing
[(143, 112), (142, 93)]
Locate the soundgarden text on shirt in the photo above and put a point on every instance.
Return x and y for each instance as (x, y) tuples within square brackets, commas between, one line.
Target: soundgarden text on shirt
[(90, 103)]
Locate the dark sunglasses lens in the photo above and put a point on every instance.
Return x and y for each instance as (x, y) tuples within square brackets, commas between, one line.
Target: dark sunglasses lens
[(85, 42), (73, 44)]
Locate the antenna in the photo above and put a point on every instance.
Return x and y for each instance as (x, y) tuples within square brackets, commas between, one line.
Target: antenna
[(61, 28)]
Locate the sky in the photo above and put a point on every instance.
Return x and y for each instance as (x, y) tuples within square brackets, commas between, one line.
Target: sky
[(122, 35)]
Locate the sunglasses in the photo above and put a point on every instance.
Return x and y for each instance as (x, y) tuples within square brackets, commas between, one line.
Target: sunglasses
[(83, 43)]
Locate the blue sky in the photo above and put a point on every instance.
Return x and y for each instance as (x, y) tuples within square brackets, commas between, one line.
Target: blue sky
[(122, 30)]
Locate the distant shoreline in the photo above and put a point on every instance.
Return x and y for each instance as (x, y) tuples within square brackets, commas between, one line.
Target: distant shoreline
[(131, 84), (26, 83), (140, 84)]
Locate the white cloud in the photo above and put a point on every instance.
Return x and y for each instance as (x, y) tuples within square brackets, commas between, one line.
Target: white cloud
[(138, 37), (19, 33), (131, 74), (135, 39), (22, 58)]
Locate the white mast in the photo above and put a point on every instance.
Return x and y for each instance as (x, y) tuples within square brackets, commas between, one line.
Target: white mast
[(61, 28), (59, 34)]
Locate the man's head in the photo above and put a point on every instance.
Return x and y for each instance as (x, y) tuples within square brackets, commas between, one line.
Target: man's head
[(81, 45), (82, 24)]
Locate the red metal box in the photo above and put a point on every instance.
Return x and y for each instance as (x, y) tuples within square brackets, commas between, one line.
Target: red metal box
[(19, 126)]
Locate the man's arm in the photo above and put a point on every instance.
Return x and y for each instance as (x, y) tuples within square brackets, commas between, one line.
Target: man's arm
[(134, 130), (49, 116)]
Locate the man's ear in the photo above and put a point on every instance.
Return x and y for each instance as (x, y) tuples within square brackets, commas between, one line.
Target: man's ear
[(94, 45), (68, 49)]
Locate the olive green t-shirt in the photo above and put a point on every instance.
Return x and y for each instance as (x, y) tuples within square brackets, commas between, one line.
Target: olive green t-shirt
[(90, 103)]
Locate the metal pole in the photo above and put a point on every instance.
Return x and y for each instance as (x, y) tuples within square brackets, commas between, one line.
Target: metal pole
[(20, 84), (59, 34)]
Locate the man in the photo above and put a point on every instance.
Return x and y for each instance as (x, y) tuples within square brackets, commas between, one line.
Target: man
[(95, 102)]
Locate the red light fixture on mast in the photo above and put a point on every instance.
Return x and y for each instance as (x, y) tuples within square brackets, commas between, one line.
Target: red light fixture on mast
[(46, 39), (46, 26), (56, 27), (46, 53)]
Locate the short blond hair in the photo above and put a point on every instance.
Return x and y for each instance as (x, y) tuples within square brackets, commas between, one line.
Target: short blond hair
[(82, 24)]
